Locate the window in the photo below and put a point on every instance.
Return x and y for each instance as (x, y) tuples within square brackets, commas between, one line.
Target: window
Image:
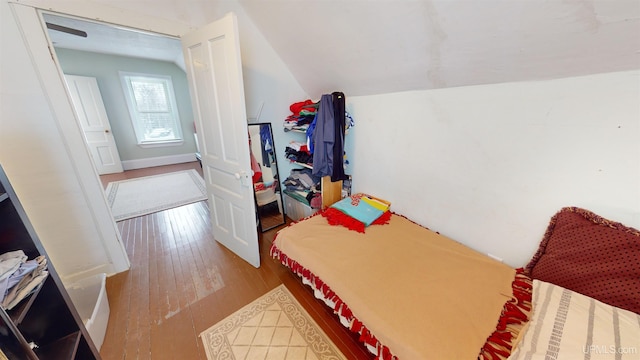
[(153, 110)]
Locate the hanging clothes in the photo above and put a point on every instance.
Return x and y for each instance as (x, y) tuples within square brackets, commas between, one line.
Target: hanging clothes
[(266, 145), (310, 130), (327, 141), (337, 169), (324, 137)]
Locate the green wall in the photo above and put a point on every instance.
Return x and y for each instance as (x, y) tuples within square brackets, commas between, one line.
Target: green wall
[(105, 69)]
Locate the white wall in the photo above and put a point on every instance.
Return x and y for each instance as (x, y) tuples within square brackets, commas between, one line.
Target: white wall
[(268, 84), (489, 165)]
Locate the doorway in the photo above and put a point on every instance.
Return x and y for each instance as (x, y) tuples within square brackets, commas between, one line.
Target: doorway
[(101, 51), (225, 164)]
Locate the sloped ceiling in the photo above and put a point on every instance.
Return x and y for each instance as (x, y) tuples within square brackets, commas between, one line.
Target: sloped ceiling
[(110, 39), (370, 47), (365, 47)]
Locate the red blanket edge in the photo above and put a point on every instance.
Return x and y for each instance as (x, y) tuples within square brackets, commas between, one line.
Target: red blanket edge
[(498, 346), (515, 312), (340, 308)]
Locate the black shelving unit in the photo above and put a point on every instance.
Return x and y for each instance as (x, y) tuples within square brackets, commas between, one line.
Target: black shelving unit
[(45, 325)]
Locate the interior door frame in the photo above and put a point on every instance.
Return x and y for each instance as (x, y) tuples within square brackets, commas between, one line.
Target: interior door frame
[(52, 11), (28, 16)]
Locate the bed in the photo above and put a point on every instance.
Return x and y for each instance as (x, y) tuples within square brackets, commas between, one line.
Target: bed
[(412, 293)]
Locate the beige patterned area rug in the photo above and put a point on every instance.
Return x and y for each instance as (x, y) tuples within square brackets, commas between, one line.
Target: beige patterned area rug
[(275, 326), (149, 194)]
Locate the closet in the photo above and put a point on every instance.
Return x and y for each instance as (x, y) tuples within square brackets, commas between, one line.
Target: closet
[(297, 206), (309, 189), (44, 324)]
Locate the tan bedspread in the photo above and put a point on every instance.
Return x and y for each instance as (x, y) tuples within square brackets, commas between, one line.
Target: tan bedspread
[(421, 294)]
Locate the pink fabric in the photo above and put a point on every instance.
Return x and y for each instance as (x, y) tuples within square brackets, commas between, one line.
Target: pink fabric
[(257, 171)]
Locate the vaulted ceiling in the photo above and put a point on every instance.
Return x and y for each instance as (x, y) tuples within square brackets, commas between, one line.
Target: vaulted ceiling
[(369, 47), (381, 46)]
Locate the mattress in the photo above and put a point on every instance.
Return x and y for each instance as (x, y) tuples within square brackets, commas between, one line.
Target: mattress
[(412, 293)]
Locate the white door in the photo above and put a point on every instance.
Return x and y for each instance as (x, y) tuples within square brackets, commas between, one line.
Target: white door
[(92, 115), (214, 71)]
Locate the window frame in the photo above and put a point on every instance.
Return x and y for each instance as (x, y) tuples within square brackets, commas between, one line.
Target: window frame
[(141, 139)]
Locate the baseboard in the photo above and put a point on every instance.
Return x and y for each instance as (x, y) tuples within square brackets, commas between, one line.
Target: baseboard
[(158, 161), (103, 268)]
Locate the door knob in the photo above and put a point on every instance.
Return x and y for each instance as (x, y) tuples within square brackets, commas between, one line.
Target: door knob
[(106, 131), (244, 178)]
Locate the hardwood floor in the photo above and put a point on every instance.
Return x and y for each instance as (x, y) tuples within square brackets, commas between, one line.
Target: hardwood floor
[(182, 281), (270, 215)]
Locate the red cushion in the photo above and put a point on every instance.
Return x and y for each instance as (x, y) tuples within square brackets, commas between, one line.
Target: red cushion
[(586, 253)]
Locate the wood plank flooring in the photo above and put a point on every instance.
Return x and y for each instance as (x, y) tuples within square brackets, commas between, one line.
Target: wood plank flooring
[(182, 281)]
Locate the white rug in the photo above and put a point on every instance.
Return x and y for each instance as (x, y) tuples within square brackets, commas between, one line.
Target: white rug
[(149, 194), (275, 326)]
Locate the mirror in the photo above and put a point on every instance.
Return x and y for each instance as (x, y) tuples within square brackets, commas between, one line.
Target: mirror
[(266, 182)]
